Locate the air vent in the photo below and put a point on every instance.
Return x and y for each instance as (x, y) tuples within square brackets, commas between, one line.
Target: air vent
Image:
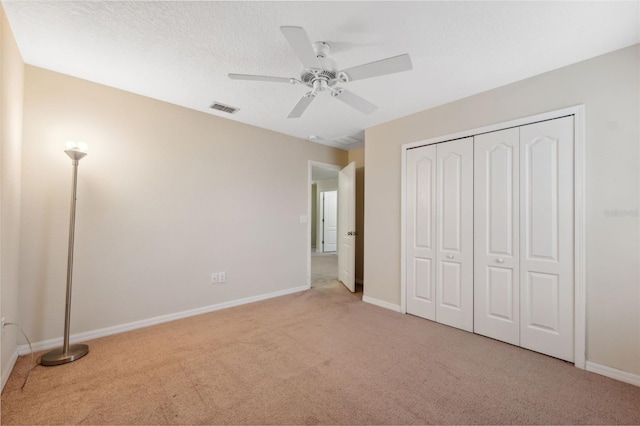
[(224, 108), (347, 140)]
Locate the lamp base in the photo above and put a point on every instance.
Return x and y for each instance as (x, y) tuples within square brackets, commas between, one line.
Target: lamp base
[(58, 357)]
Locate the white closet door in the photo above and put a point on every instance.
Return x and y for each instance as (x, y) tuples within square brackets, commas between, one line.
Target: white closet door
[(496, 235), (546, 237), (421, 235), (454, 224), (329, 221)]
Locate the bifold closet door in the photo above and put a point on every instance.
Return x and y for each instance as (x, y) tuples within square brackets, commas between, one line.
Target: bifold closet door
[(440, 233), (421, 235), (496, 235), (454, 238), (523, 236), (546, 237)]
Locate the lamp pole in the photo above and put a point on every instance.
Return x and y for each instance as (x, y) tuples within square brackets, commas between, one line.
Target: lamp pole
[(68, 353)]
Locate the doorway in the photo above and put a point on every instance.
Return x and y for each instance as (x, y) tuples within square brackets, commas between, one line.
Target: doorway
[(328, 221), (323, 212), (331, 188)]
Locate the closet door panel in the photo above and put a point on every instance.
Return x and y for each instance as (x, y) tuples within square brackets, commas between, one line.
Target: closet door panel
[(454, 224), (421, 222), (546, 237), (496, 235)]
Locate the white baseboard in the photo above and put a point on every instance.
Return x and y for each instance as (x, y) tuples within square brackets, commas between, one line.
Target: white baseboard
[(7, 372), (382, 303), (116, 329), (613, 373)]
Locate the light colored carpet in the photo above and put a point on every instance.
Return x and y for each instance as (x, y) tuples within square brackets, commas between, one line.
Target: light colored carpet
[(320, 356), (324, 268)]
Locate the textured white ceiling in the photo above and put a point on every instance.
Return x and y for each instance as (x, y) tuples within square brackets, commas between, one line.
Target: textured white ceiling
[(181, 52)]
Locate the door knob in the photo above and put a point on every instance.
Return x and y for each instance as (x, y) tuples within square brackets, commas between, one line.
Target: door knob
[(500, 260), (449, 256)]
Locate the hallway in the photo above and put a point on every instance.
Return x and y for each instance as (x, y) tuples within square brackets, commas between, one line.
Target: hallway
[(324, 268)]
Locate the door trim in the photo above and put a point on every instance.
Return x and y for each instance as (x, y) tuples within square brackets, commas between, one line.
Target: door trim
[(310, 165), (579, 209)]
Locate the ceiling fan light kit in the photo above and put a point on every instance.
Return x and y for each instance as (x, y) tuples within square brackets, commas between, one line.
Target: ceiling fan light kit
[(321, 74)]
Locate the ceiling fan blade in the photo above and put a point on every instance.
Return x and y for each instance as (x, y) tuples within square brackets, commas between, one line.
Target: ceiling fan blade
[(299, 41), (384, 66), (355, 101), (302, 105), (259, 78)]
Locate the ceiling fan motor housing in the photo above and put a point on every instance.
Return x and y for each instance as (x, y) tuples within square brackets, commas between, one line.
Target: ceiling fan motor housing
[(321, 48), (327, 70)]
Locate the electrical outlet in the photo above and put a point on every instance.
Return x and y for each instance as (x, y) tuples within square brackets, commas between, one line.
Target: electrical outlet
[(214, 277), (222, 277)]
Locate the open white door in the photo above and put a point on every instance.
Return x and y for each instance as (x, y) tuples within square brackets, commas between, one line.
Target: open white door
[(347, 226)]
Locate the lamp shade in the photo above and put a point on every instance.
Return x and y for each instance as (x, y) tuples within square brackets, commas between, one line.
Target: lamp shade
[(76, 150)]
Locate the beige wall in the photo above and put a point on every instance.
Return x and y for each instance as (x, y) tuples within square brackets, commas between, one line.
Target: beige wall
[(166, 196), (357, 156), (11, 98), (609, 88), (328, 184)]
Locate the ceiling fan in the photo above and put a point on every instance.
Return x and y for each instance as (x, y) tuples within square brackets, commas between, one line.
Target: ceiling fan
[(321, 73)]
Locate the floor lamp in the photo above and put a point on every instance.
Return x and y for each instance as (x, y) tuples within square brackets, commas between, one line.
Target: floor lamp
[(65, 354)]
